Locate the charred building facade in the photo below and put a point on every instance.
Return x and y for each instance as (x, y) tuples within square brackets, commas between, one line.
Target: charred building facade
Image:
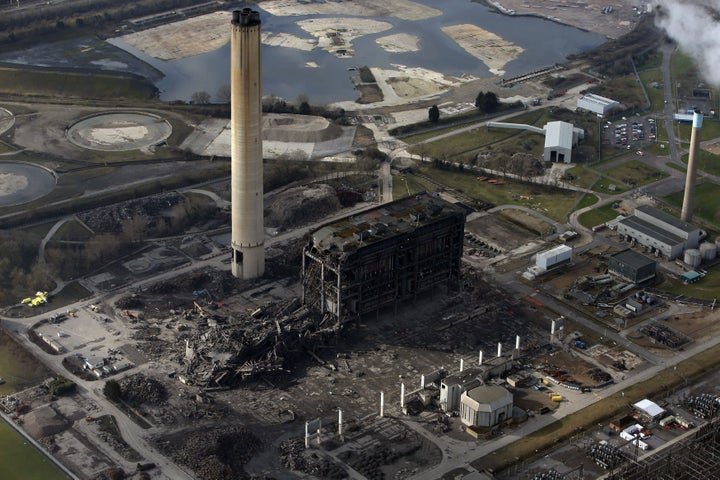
[(386, 255)]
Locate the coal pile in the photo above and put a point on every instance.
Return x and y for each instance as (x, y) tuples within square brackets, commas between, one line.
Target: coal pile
[(215, 453)]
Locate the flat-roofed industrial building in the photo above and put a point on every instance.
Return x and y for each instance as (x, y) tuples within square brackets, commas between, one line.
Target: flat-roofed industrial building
[(659, 232), (632, 266), (596, 103), (389, 254)]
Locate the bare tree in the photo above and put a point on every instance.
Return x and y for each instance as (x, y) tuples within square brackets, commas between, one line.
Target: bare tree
[(200, 98), (224, 94)]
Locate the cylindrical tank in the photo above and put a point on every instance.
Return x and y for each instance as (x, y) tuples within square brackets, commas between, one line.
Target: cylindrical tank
[(693, 257), (717, 242), (708, 250)]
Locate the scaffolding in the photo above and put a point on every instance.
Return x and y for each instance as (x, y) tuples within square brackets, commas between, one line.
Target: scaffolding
[(384, 256)]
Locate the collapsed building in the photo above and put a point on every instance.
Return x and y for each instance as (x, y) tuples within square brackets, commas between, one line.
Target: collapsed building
[(381, 257)]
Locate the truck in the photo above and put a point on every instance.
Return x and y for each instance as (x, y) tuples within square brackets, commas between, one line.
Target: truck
[(581, 345), (684, 424), (667, 421)]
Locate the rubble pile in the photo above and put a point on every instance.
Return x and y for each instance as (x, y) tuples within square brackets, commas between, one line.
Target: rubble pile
[(370, 462), (109, 219), (219, 283), (301, 205), (139, 389), (296, 457), (215, 453), (243, 346)]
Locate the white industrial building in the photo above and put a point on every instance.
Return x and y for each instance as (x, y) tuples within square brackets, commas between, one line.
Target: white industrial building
[(560, 138), (554, 257), (649, 409), (596, 104), (486, 406), (660, 232), (549, 259)]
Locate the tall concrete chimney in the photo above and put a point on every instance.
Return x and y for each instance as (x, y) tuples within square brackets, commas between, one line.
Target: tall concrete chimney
[(246, 170), (689, 199)]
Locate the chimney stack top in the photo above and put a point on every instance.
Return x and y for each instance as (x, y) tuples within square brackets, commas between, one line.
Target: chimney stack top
[(246, 17)]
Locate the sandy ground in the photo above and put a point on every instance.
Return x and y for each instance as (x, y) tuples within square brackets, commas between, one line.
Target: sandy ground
[(713, 148), (287, 40), (586, 15), (335, 34), (199, 35), (487, 47), (11, 183), (400, 42), (403, 9)]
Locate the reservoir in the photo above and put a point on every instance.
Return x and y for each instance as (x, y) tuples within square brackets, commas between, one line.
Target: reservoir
[(286, 74)]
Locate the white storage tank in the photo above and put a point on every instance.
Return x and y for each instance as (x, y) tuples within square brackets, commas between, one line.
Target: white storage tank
[(708, 250), (693, 257), (554, 256), (717, 242)]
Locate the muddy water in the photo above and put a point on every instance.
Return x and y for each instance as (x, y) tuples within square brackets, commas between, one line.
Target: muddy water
[(285, 73)]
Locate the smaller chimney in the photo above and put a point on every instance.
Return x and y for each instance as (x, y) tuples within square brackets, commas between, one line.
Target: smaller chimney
[(402, 395), (382, 404), (499, 349), (686, 214), (462, 364), (480, 358), (517, 342)]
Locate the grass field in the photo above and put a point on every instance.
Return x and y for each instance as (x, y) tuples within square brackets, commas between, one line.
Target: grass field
[(584, 176), (67, 84), (586, 201), (20, 461), (706, 162), (597, 216), (655, 94), (462, 147), (407, 185), (554, 203), (654, 61), (707, 201), (710, 130), (708, 288), (635, 173)]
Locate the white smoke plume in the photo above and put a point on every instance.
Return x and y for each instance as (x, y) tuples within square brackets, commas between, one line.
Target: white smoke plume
[(695, 26)]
